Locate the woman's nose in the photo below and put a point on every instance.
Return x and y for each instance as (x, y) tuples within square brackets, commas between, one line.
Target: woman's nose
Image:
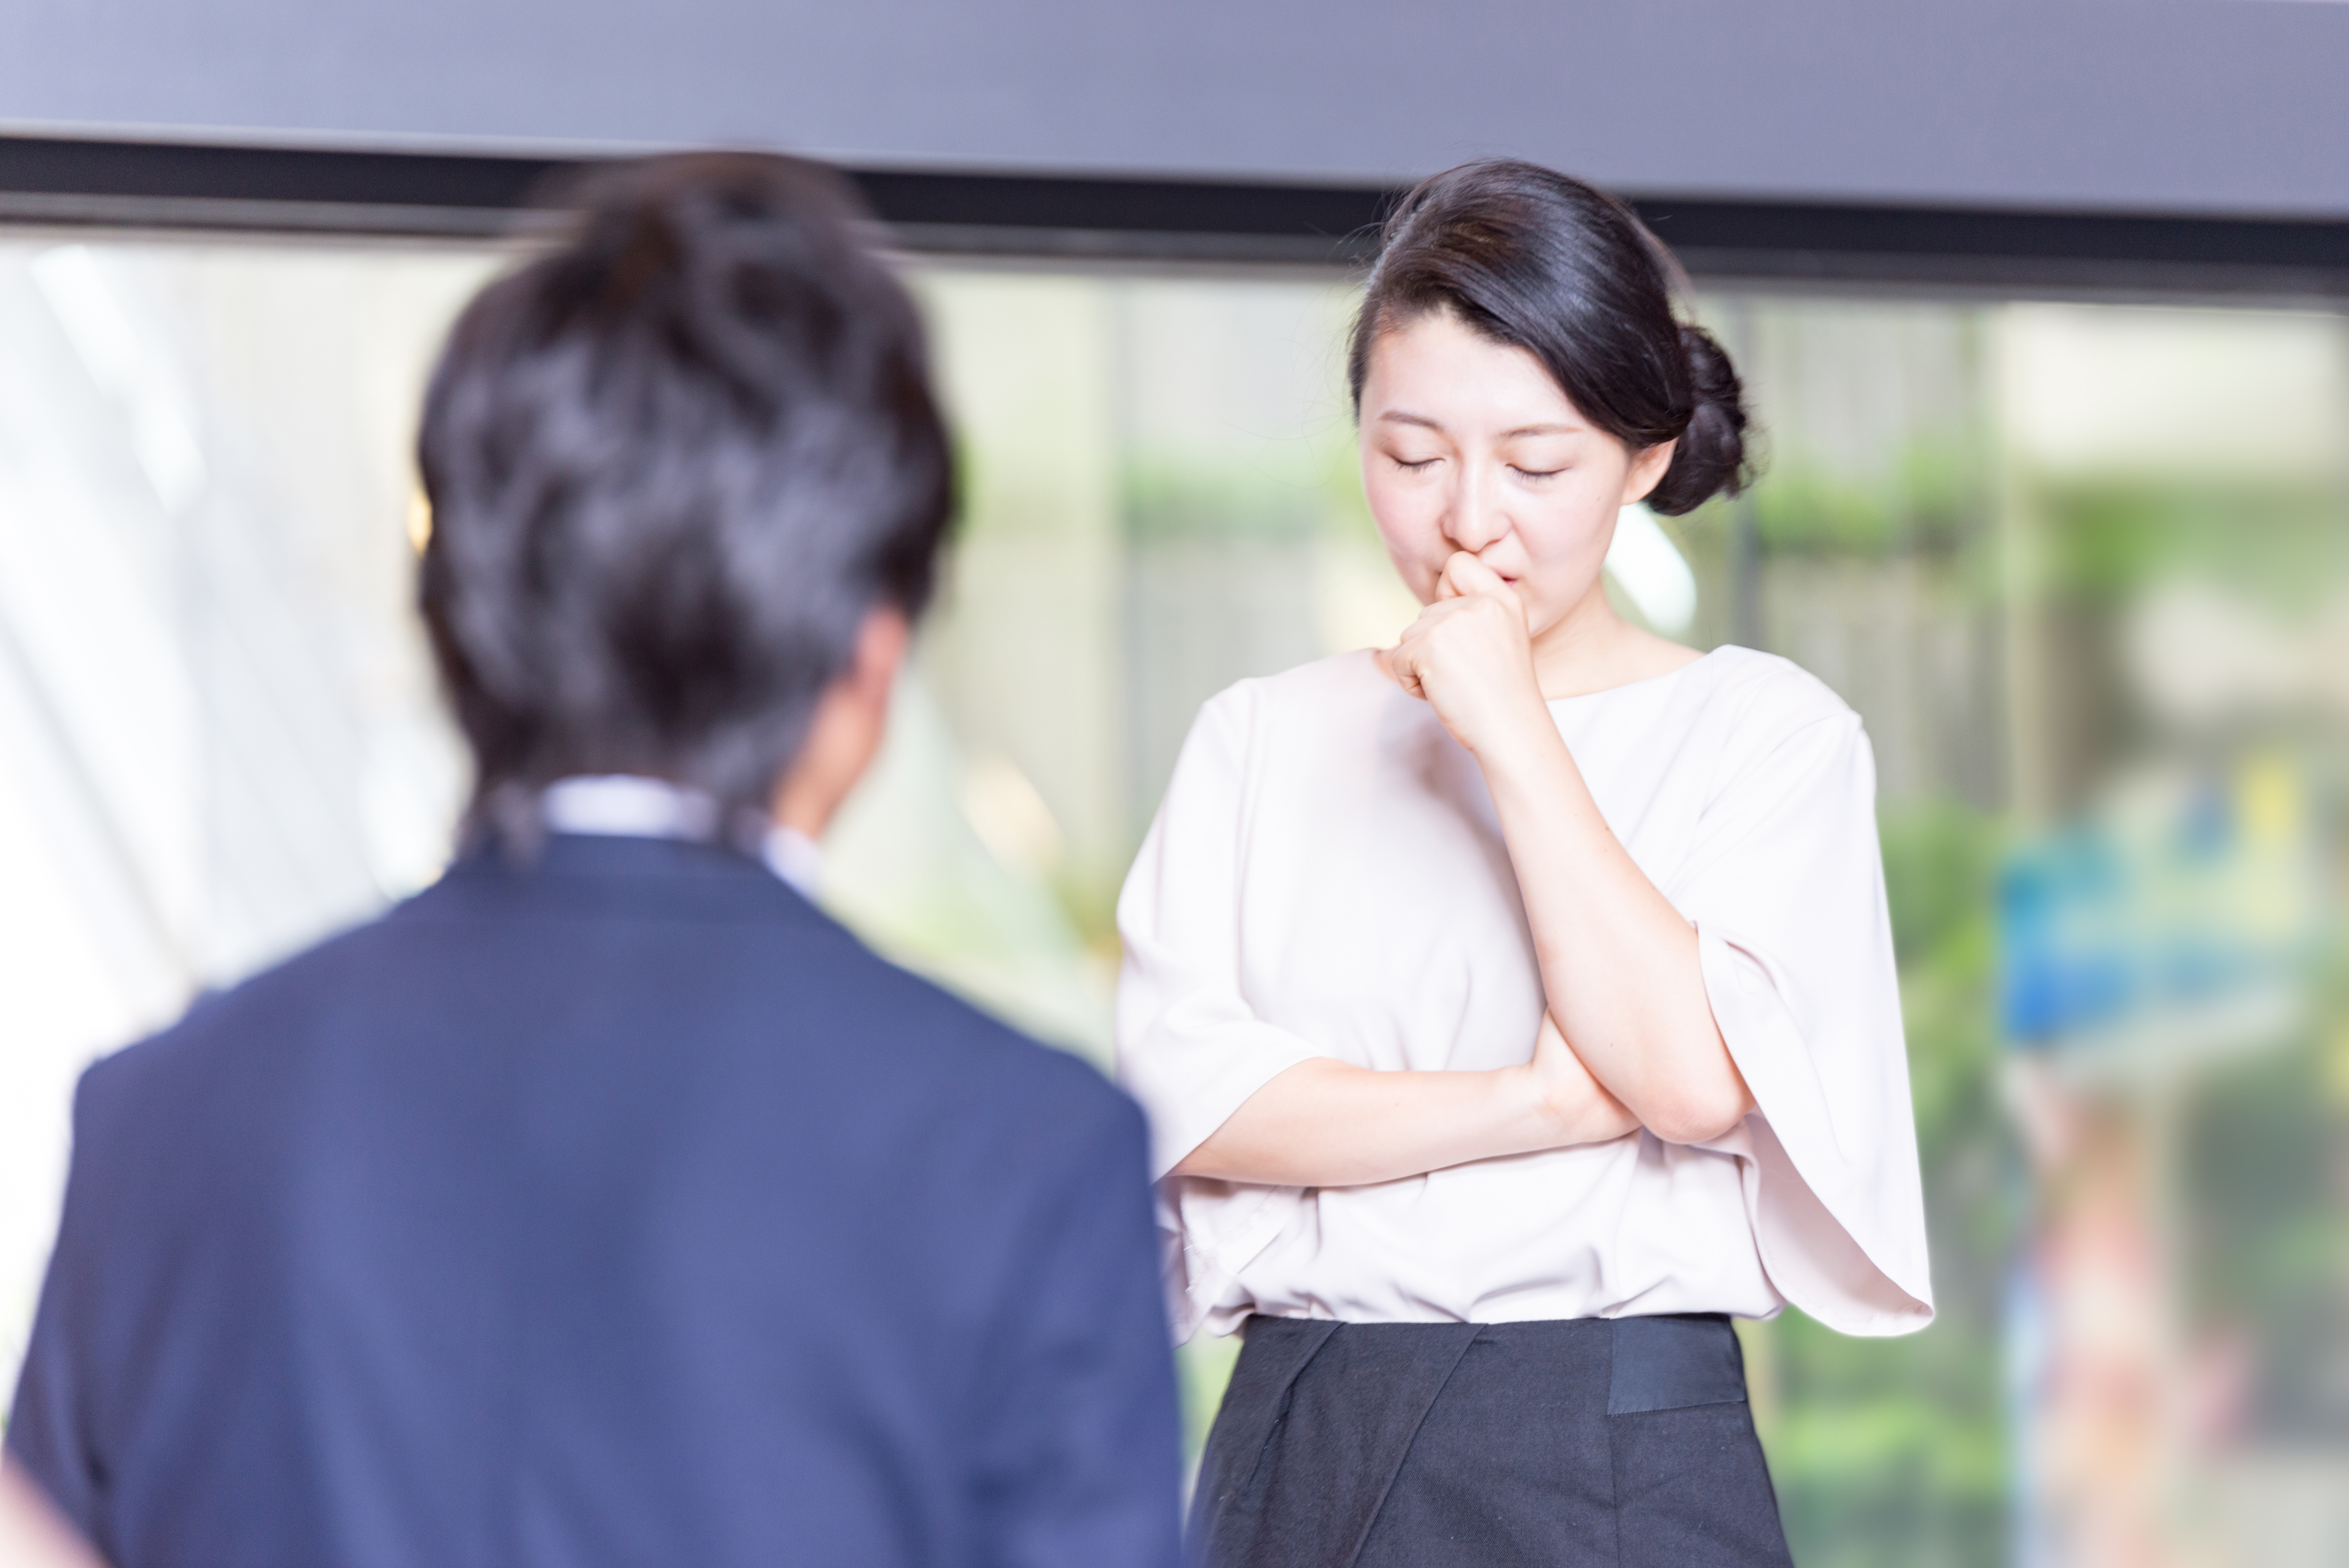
[(1475, 518)]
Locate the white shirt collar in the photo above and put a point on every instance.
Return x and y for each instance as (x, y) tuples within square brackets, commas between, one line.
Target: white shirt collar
[(624, 805)]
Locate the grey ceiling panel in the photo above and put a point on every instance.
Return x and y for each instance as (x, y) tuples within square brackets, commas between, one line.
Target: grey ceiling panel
[(2190, 107)]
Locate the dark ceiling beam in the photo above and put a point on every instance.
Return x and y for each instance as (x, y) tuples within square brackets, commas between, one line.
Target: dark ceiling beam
[(284, 189), (202, 186)]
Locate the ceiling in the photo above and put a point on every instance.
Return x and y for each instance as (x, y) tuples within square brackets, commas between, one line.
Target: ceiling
[(2182, 108)]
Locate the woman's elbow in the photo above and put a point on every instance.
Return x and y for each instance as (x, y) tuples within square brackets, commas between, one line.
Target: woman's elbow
[(1700, 1113), (1200, 1161)]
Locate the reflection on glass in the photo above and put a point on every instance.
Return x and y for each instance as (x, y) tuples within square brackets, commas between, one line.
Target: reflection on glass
[(2170, 951), (2083, 570), (218, 731)]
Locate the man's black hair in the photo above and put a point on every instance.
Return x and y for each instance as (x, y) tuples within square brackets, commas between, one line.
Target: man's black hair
[(672, 465)]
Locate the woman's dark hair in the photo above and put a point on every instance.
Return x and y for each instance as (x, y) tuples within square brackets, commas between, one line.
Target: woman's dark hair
[(672, 465), (1537, 261)]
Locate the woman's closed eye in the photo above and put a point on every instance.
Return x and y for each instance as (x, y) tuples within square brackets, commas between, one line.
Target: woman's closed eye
[(1413, 465), (1526, 473)]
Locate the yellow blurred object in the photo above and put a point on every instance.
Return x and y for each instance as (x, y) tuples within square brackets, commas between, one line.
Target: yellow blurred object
[(2336, 1067), (2270, 791), (1010, 817), (420, 521)]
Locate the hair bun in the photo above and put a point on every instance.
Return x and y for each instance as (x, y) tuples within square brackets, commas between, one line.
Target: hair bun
[(1710, 456), (1536, 260)]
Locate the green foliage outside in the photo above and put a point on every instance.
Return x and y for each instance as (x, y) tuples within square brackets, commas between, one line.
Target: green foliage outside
[(1896, 1451), (1927, 502), (2267, 1254), (2280, 544), (1893, 1450)]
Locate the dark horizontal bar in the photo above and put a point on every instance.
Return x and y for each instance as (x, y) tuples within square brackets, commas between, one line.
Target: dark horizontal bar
[(2197, 241), (200, 186), (1084, 202), (63, 167)]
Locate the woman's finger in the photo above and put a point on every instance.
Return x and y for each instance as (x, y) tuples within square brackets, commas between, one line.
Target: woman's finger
[(1403, 662), (1466, 574), (1402, 667)]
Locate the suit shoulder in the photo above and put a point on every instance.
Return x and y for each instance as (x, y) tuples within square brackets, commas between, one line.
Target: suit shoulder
[(217, 1020), (1018, 1119), (982, 1053), (1053, 1084), (216, 1073)]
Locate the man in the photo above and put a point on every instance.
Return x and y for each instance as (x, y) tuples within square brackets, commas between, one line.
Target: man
[(607, 1203)]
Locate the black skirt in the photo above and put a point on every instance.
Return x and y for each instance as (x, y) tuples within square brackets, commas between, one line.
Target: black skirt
[(1417, 1445)]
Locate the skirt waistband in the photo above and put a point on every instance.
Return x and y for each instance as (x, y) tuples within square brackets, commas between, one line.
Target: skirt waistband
[(1578, 1441), (1663, 1362)]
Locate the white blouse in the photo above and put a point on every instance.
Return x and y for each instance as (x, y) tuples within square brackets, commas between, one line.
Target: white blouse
[(1327, 878)]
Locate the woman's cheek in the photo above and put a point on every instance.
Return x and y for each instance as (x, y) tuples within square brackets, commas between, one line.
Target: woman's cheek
[(1414, 542), (1574, 535), (1566, 556)]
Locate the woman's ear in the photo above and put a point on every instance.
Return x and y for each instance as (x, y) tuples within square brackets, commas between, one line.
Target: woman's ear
[(1648, 467)]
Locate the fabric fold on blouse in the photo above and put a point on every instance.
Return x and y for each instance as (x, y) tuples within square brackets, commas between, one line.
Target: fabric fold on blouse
[(1326, 878), (1787, 871), (1209, 1052)]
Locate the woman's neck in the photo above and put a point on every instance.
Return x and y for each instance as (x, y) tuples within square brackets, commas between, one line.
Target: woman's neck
[(1590, 648)]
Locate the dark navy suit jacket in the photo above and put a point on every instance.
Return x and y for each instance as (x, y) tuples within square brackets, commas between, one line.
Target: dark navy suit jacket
[(621, 1210)]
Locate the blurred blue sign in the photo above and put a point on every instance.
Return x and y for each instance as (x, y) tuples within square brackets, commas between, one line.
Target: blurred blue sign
[(2177, 919)]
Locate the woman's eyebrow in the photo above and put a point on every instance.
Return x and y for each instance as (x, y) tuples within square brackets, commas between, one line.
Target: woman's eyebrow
[(1405, 416)]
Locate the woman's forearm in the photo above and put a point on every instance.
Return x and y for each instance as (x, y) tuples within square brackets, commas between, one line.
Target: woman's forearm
[(1617, 961), (1332, 1124)]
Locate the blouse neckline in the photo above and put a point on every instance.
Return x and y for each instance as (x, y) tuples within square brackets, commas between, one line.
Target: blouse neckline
[(1637, 685)]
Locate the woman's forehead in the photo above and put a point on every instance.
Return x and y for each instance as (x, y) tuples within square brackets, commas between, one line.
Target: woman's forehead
[(1440, 372)]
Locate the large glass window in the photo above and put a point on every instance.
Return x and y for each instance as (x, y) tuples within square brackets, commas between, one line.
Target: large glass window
[(2083, 569), (219, 735)]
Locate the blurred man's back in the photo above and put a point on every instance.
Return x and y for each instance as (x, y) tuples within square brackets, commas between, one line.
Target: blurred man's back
[(607, 1203)]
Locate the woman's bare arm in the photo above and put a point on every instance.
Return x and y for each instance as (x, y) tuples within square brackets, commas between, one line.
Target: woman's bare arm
[(1614, 950), (1333, 1124), (1617, 962)]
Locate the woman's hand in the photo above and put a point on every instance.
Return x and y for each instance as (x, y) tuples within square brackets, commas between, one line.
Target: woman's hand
[(1470, 656)]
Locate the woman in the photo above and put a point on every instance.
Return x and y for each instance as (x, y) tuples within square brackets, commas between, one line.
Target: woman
[(1515, 1006)]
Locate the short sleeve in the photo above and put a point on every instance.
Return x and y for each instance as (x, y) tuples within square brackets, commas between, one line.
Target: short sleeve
[(1785, 884), (1188, 1045)]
